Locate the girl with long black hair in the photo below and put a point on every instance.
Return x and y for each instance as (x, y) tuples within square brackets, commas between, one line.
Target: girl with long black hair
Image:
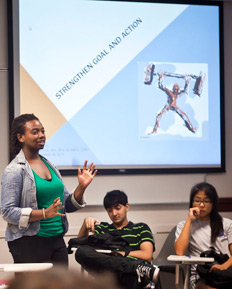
[(204, 228)]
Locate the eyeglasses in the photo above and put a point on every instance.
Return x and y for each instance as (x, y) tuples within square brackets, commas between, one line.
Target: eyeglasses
[(205, 202)]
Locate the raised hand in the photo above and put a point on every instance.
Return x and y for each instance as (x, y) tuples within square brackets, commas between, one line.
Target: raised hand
[(86, 175)]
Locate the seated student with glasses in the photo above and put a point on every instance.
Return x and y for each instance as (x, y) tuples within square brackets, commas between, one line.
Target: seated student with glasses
[(204, 228)]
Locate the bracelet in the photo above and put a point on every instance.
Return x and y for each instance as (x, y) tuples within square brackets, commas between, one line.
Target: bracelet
[(44, 215)]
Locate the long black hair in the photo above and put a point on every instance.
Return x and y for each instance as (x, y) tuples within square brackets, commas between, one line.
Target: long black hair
[(18, 127), (215, 218)]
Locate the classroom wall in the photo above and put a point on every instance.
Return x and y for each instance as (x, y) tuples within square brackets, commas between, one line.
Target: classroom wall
[(160, 216)]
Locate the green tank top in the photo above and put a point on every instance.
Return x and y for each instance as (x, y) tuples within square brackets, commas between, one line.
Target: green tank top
[(46, 192)]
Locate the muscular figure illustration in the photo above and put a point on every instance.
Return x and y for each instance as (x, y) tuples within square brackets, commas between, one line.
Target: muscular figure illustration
[(174, 94), (171, 103)]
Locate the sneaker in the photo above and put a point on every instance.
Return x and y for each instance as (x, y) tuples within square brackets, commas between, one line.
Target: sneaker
[(150, 271)]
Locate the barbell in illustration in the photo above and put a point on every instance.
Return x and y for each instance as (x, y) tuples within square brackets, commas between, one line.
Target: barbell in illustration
[(199, 79)]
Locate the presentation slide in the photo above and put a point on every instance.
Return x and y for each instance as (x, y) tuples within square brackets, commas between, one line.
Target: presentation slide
[(123, 84)]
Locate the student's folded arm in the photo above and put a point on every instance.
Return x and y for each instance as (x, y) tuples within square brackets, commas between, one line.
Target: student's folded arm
[(225, 265), (181, 244), (145, 252)]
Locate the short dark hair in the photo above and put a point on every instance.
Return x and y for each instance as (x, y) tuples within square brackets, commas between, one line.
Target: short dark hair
[(115, 197), (18, 127)]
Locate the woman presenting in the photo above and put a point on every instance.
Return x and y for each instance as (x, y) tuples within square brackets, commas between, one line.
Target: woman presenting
[(34, 200)]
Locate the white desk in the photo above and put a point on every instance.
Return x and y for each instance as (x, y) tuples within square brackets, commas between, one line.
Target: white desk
[(187, 260), (25, 267)]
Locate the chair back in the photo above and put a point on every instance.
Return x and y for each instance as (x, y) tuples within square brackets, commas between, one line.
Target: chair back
[(167, 249), (166, 278)]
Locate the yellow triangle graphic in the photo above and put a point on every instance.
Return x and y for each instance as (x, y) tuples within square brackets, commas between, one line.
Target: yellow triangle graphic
[(34, 100)]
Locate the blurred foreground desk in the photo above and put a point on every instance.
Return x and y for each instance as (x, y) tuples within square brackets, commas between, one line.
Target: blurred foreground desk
[(187, 260), (25, 267), (22, 267)]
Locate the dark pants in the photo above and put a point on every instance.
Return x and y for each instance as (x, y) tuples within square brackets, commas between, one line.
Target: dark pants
[(124, 267), (35, 249)]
